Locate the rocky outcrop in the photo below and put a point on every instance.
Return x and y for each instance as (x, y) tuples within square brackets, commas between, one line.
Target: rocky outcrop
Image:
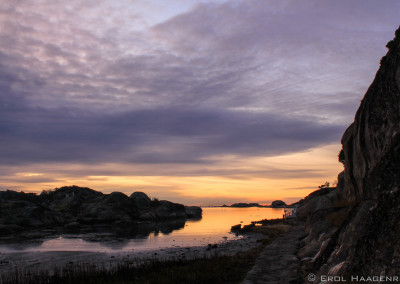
[(353, 230), (193, 212), (278, 204), (162, 209), (74, 206)]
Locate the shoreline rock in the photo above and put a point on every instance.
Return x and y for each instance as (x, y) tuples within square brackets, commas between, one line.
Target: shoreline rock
[(72, 207)]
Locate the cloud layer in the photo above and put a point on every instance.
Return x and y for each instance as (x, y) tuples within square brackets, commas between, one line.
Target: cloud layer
[(104, 82), (153, 135)]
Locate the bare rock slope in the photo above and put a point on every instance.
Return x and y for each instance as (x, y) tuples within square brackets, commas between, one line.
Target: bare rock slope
[(354, 230)]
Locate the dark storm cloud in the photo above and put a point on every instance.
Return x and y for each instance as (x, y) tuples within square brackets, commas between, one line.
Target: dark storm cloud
[(153, 136), (247, 78)]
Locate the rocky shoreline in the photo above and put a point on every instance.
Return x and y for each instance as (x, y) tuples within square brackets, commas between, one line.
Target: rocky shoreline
[(278, 262), (50, 261), (73, 208), (352, 230)]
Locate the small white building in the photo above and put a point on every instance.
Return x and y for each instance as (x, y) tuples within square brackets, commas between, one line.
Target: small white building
[(289, 213)]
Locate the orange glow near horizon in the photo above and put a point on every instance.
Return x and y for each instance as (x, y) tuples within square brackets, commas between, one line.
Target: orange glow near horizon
[(287, 177)]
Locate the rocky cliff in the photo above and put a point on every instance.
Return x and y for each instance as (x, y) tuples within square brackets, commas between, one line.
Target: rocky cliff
[(72, 206), (353, 231)]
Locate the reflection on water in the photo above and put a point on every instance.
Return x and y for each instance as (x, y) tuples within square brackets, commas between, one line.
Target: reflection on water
[(214, 227)]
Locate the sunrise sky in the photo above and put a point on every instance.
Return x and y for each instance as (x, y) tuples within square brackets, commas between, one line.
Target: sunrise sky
[(199, 102)]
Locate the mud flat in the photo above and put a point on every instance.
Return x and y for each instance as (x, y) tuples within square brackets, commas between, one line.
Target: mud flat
[(51, 261)]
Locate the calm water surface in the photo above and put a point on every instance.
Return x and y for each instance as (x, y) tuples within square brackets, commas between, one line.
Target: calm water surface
[(214, 227)]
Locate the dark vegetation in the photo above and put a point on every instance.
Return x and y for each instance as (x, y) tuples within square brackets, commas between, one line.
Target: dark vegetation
[(214, 270)]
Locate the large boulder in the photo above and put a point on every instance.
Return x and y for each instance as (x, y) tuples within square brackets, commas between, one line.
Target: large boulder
[(193, 212), (168, 210), (141, 199)]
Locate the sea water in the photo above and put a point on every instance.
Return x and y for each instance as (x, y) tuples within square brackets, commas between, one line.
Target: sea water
[(214, 227)]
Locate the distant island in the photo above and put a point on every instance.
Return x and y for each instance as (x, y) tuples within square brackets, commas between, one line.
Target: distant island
[(275, 204)]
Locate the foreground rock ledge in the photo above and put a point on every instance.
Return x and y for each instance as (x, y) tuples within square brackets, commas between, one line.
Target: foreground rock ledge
[(278, 262)]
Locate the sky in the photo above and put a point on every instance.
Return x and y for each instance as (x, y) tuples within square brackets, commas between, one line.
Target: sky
[(199, 102)]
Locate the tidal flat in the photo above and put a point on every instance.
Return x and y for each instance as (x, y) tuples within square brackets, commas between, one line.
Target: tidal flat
[(199, 240)]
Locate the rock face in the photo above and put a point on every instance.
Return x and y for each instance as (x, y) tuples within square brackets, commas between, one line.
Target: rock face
[(73, 206), (354, 229)]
